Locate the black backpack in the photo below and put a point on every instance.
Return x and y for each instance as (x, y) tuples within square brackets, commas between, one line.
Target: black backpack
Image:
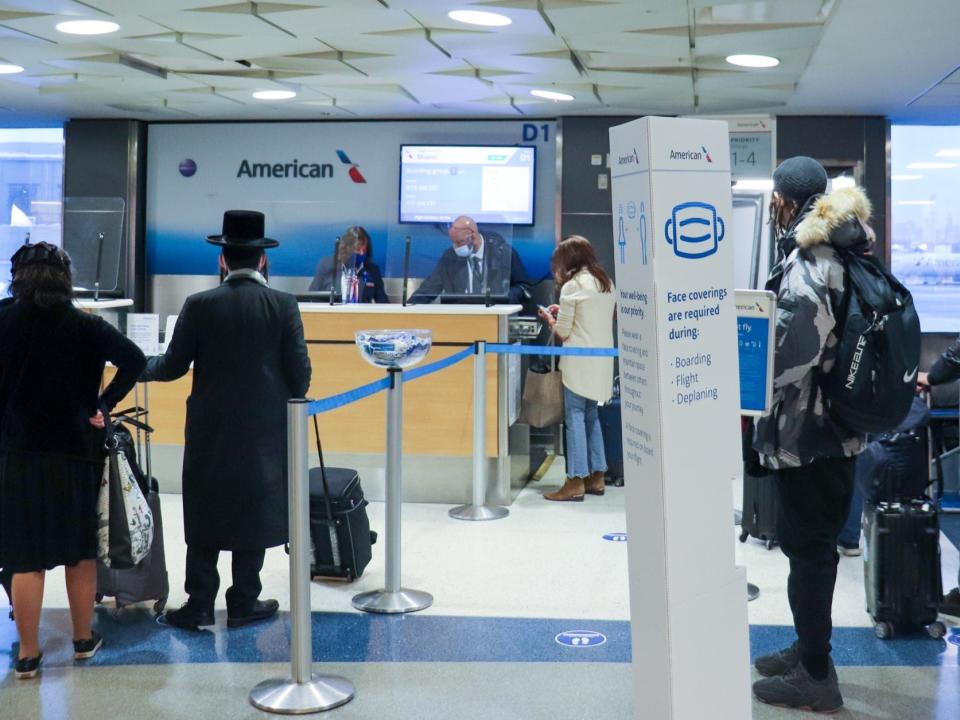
[(872, 384)]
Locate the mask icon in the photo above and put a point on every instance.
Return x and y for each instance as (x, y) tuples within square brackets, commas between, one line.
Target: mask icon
[(694, 230)]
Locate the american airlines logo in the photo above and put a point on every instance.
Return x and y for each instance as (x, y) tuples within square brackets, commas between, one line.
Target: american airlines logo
[(701, 154), (628, 159)]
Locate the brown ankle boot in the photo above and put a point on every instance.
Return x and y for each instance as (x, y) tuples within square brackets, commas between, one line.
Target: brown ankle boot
[(594, 485), (572, 491)]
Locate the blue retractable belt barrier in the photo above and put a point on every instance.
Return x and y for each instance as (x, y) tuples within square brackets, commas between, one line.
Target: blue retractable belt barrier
[(351, 396), (345, 398), (504, 349), (433, 367)]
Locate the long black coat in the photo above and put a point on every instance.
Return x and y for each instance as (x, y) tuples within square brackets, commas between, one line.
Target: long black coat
[(245, 341)]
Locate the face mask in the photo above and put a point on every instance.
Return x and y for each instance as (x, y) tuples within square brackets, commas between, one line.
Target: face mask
[(463, 250)]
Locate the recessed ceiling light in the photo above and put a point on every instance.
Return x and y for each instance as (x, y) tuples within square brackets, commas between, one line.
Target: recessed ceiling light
[(551, 95), (10, 69), (274, 94), (948, 152), (930, 166), (478, 17), (753, 61), (905, 177), (87, 27)]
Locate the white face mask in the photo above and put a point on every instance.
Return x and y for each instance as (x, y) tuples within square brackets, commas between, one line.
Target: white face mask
[(463, 250)]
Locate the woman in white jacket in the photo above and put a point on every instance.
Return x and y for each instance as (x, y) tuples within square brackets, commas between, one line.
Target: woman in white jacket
[(584, 318)]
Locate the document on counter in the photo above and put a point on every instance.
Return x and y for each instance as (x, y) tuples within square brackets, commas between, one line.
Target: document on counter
[(144, 330), (168, 332)]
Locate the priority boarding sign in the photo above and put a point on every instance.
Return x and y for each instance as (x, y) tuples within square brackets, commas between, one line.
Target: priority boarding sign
[(680, 402), (756, 311)]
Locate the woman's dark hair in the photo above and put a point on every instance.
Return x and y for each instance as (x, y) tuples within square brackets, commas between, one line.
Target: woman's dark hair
[(41, 275), (576, 253), (352, 237)]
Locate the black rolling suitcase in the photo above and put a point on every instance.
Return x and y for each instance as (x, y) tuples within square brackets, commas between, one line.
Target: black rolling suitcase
[(148, 581), (339, 526), (760, 499), (902, 567), (612, 439)]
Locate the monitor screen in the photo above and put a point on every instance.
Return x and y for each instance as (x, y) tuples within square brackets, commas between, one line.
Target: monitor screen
[(491, 184)]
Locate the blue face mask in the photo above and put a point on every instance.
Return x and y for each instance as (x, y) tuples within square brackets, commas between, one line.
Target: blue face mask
[(463, 250)]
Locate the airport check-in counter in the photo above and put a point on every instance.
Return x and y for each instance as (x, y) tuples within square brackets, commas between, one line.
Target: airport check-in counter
[(437, 409)]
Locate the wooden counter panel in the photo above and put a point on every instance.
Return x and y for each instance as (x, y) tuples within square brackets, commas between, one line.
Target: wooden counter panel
[(437, 417), (168, 406), (437, 409), (446, 328)]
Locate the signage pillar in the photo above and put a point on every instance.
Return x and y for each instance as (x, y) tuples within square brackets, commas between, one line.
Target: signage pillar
[(681, 418)]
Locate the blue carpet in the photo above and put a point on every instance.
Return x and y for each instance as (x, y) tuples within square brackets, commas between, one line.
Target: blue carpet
[(134, 638)]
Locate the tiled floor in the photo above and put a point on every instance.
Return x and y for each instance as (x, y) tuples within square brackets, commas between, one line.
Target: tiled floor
[(485, 649)]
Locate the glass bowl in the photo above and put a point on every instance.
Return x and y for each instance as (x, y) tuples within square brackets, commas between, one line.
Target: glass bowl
[(394, 348)]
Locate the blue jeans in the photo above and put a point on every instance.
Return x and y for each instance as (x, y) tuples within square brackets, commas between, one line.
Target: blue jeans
[(867, 465), (584, 439)]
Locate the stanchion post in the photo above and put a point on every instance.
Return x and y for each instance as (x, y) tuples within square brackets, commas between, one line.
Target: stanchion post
[(303, 692), (478, 510), (394, 598)]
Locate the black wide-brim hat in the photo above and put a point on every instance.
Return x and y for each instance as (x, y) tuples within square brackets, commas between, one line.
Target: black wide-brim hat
[(242, 229)]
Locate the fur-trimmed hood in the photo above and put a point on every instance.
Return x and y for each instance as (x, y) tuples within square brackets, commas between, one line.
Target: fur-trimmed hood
[(839, 218)]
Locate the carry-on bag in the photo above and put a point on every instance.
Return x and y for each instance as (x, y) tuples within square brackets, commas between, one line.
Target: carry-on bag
[(542, 402), (902, 567), (612, 438), (148, 580), (339, 526), (894, 466), (760, 498)]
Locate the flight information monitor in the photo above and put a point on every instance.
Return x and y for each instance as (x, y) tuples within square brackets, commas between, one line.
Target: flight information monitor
[(491, 184)]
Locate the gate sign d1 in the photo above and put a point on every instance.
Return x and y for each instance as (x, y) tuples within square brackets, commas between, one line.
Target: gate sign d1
[(581, 638)]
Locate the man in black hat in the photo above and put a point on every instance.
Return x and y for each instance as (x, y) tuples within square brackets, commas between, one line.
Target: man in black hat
[(245, 341), (811, 456)]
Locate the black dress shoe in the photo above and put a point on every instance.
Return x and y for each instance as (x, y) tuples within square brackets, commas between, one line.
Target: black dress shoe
[(189, 617), (260, 610)]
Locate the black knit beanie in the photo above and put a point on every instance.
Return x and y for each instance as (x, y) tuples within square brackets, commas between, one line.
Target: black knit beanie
[(800, 177)]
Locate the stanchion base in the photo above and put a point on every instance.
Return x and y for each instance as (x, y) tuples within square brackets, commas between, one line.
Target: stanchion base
[(392, 603), (286, 697), (753, 592), (478, 512)]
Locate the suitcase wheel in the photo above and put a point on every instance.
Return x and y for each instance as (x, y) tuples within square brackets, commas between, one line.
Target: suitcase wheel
[(883, 630), (771, 544), (159, 605), (98, 598), (743, 536), (936, 630)]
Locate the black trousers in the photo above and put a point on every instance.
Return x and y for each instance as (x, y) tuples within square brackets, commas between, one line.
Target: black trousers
[(814, 503), (203, 580)]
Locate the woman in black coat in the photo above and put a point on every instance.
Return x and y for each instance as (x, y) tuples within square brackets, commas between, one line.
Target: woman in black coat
[(52, 357), (356, 252)]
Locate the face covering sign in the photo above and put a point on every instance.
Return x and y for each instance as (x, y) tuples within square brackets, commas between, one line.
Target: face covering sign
[(680, 406)]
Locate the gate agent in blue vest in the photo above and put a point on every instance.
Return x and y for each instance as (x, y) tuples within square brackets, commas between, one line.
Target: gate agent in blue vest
[(945, 370), (245, 341), (812, 457)]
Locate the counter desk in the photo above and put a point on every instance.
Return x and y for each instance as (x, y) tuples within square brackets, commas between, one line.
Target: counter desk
[(437, 409)]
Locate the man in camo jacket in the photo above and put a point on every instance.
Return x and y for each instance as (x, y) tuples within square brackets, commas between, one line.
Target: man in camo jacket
[(811, 456)]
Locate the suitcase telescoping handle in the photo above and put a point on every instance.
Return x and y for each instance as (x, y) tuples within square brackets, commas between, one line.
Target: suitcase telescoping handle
[(323, 472)]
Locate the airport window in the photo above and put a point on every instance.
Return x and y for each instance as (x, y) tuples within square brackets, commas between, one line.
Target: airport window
[(925, 220), (31, 190)]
